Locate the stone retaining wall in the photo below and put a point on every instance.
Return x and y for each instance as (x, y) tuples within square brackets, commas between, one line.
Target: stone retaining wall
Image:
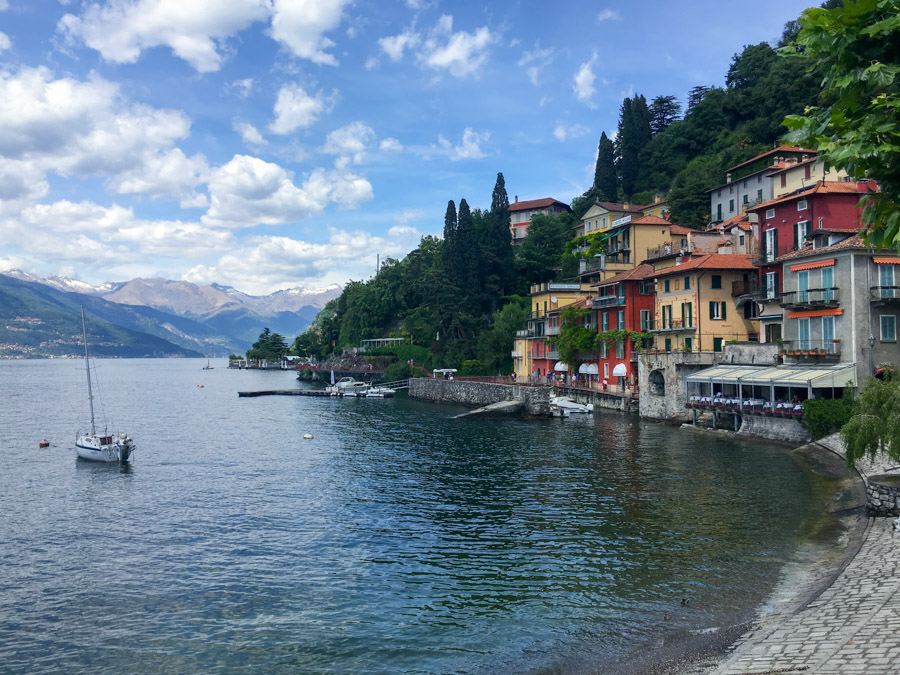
[(478, 394), (780, 429), (881, 500)]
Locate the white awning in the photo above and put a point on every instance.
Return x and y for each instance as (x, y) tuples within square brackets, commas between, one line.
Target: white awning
[(588, 369), (816, 377), (561, 367), (620, 370)]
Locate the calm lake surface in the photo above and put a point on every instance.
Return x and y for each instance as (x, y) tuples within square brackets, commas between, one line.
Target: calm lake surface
[(398, 540)]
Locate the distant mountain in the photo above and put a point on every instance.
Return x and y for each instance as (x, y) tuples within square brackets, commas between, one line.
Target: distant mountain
[(37, 320), (215, 319)]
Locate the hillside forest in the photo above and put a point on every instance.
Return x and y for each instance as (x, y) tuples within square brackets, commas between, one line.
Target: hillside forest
[(460, 299)]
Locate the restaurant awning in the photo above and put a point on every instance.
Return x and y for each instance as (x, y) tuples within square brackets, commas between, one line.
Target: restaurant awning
[(561, 367), (816, 377), (620, 370), (588, 369)]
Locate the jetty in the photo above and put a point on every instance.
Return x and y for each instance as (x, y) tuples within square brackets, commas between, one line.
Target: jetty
[(399, 384)]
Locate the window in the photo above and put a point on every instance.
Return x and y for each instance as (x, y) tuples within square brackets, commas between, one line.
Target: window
[(741, 240), (605, 371), (745, 183), (666, 286), (770, 213), (716, 281), (746, 199), (677, 284), (759, 179), (801, 205), (719, 193), (620, 319), (666, 317), (717, 344), (730, 189), (687, 314), (603, 221), (718, 212), (759, 196), (828, 333), (770, 245), (801, 232), (620, 349), (888, 328), (604, 322), (803, 333), (807, 171), (731, 206), (687, 283), (803, 286), (783, 180), (645, 287), (604, 351), (668, 344), (886, 281), (771, 285), (688, 344), (827, 284), (645, 320), (717, 310)]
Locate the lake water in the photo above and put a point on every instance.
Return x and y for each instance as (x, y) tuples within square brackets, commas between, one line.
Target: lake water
[(397, 540)]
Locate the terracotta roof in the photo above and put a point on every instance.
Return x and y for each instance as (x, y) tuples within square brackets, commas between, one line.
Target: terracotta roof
[(613, 206), (639, 273), (731, 222), (853, 241), (535, 204), (780, 148), (811, 160), (822, 187), (651, 220), (712, 261), (681, 229)]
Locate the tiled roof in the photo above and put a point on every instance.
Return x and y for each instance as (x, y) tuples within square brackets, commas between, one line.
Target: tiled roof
[(639, 273), (651, 220), (821, 187), (780, 148), (612, 206), (535, 204), (853, 241), (681, 229), (786, 167), (712, 261)]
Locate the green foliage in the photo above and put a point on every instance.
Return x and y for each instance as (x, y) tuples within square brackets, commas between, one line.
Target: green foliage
[(496, 344), (471, 367), (855, 50), (404, 354), (397, 371), (688, 200), (876, 427), (269, 347), (538, 258), (606, 182), (664, 110), (825, 416), (634, 134), (573, 337), (611, 337)]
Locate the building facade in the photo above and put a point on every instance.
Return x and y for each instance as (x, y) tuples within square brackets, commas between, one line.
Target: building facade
[(521, 213)]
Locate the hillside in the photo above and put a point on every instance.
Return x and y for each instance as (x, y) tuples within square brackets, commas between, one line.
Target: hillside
[(39, 321)]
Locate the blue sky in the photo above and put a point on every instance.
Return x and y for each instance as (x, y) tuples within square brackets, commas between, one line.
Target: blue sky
[(268, 144)]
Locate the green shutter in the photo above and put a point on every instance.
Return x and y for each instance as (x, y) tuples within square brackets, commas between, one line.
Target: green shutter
[(723, 311), (762, 247), (712, 310)]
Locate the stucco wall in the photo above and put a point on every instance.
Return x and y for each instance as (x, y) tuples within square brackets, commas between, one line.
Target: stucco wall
[(477, 394), (673, 368)]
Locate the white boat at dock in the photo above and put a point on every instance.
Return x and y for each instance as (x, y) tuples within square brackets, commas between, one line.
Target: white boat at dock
[(561, 406)]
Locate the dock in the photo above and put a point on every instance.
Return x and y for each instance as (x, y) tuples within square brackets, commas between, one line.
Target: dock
[(286, 392)]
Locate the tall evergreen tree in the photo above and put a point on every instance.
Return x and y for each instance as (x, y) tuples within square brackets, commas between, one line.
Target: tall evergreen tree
[(468, 252), (606, 183), (696, 95), (451, 242), (500, 236), (634, 135), (663, 111)]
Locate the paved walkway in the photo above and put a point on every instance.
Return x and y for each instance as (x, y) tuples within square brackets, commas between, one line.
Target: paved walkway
[(852, 627)]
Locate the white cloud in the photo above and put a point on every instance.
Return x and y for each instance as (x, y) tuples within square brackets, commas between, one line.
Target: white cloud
[(371, 63), (460, 53), (4, 41), (249, 134), (395, 45), (416, 4), (248, 191), (468, 148), (390, 145), (351, 140), (4, 5), (535, 61), (607, 15), (82, 129), (121, 29), (242, 88), (295, 109), (300, 26), (409, 215), (564, 133), (583, 84)]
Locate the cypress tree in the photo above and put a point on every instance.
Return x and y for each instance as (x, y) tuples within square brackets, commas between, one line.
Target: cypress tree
[(606, 184), (451, 242), (501, 238), (634, 134)]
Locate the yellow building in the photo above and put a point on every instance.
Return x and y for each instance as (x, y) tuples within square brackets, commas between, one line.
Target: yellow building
[(659, 208), (695, 307), (602, 216), (531, 343), (796, 173)]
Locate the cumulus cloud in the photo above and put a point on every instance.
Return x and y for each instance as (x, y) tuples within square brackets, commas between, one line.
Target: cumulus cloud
[(535, 61), (162, 174), (248, 191), (607, 15), (460, 53), (469, 146), (295, 109), (300, 27), (121, 29), (564, 133), (390, 145), (4, 41), (350, 141), (249, 134), (583, 83), (242, 88)]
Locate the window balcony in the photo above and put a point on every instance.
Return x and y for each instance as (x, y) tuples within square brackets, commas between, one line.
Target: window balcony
[(811, 349), (814, 298), (527, 333), (739, 288), (667, 249), (885, 294), (608, 301), (672, 326)]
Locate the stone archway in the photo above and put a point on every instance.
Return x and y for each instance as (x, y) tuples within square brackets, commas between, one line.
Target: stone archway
[(657, 381)]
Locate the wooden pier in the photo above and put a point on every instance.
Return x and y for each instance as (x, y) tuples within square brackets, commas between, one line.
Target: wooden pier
[(286, 392)]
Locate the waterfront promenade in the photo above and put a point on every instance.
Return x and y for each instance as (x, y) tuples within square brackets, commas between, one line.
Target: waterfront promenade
[(853, 626)]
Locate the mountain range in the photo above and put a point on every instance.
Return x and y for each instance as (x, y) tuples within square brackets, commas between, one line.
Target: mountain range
[(211, 320)]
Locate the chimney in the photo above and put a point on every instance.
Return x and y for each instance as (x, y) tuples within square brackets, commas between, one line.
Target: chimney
[(727, 177), (517, 199)]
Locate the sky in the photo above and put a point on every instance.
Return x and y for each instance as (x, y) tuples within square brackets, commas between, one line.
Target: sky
[(268, 144)]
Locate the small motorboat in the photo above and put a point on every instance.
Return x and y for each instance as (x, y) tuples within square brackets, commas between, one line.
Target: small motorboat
[(569, 406), (44, 444), (380, 392)]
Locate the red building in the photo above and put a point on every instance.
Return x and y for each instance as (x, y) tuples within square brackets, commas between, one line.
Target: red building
[(624, 302), (785, 225)]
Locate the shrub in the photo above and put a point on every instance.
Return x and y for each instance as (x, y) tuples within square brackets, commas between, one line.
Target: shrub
[(396, 371), (824, 416)]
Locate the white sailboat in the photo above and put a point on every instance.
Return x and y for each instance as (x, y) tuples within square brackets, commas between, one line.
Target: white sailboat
[(207, 366), (96, 447)]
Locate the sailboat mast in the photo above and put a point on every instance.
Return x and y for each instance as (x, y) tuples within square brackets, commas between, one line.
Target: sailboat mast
[(87, 364)]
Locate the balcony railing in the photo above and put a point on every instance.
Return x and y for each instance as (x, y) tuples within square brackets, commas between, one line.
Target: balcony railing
[(885, 292), (527, 333), (811, 348), (552, 330), (673, 325), (814, 297), (669, 248), (739, 288), (608, 301)]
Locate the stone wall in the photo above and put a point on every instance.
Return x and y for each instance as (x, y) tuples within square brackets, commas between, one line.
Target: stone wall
[(599, 399), (774, 428), (478, 394), (881, 500), (661, 382)]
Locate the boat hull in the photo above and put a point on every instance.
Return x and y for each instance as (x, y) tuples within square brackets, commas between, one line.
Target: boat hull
[(87, 447)]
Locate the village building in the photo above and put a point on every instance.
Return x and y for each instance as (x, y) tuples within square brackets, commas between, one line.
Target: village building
[(521, 213)]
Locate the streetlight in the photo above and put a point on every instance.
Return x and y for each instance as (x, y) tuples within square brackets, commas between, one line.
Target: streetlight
[(871, 354)]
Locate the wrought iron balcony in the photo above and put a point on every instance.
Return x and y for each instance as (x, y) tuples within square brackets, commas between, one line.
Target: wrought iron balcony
[(669, 248), (814, 298), (671, 326), (885, 293)]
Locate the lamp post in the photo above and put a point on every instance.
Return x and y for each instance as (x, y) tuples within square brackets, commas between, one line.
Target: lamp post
[(871, 354)]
